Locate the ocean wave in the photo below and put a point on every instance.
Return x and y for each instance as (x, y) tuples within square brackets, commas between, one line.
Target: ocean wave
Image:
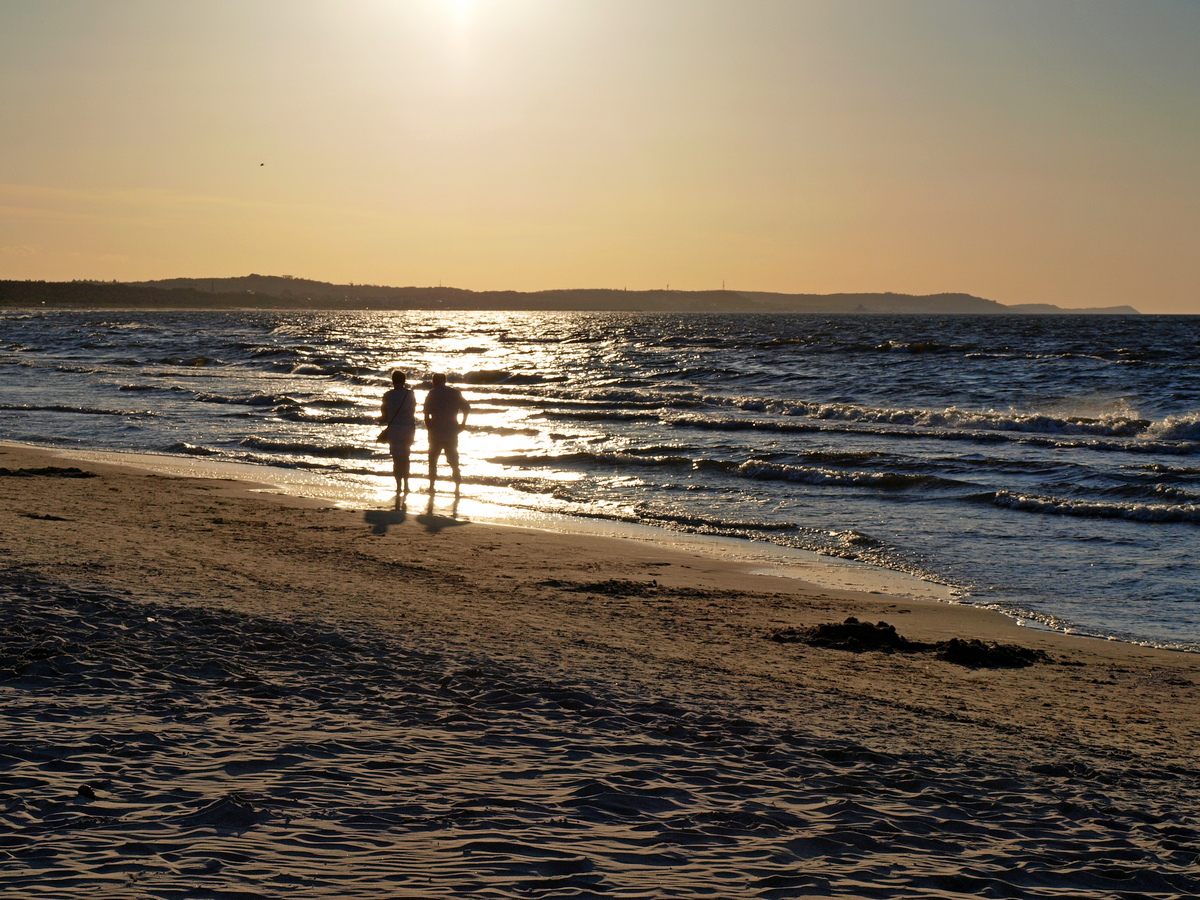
[(632, 398), (306, 448), (591, 458), (562, 406), (1090, 509), (307, 465), (756, 470), (90, 370), (1155, 493), (894, 346), (1116, 425), (301, 415), (189, 449), (1141, 445), (191, 362), (502, 430), (82, 410), (260, 350), (1158, 470), (1176, 435), (249, 399), (1177, 428), (334, 368), (597, 415), (892, 481), (713, 523), (714, 423), (522, 483), (502, 376)]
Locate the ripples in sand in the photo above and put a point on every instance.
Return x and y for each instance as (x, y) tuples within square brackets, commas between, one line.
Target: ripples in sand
[(168, 752)]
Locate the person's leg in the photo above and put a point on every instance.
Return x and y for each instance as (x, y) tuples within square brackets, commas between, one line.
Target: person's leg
[(435, 449), (452, 459), (400, 468)]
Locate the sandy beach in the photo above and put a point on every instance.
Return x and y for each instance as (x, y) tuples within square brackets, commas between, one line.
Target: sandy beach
[(212, 691)]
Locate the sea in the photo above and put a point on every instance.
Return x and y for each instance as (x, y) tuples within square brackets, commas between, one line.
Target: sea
[(1045, 466)]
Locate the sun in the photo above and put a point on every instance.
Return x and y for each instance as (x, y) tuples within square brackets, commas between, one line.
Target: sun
[(460, 9)]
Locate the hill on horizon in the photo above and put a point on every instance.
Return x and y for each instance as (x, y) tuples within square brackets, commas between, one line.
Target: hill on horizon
[(286, 292)]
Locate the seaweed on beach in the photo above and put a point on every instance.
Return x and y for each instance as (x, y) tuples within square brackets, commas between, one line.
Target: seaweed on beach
[(977, 654), (624, 587), (47, 472), (852, 635), (612, 587), (862, 637)]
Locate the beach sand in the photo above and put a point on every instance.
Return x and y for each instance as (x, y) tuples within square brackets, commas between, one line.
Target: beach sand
[(210, 691)]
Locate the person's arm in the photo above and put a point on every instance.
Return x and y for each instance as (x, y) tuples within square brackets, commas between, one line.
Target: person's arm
[(466, 408)]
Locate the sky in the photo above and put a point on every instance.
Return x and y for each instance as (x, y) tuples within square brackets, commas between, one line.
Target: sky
[(1026, 152)]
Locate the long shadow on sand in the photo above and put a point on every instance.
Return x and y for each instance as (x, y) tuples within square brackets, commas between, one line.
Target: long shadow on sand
[(434, 523), (381, 520)]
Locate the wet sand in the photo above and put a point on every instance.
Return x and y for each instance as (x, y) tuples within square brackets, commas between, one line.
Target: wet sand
[(210, 692)]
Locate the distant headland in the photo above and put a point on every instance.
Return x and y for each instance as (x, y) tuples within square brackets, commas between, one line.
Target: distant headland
[(284, 292)]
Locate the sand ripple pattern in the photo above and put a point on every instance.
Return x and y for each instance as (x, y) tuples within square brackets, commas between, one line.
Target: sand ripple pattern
[(157, 751)]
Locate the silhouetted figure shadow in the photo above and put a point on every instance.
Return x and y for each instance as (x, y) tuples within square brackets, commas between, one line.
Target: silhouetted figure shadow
[(381, 520), (434, 523)]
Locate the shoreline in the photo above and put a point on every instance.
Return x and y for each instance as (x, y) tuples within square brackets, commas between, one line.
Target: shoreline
[(668, 558), (767, 558), (816, 569)]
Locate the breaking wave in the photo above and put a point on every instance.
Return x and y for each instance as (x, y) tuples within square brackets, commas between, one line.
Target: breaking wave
[(1090, 509)]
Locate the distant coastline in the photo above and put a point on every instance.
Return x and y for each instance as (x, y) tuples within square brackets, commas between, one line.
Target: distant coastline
[(282, 292)]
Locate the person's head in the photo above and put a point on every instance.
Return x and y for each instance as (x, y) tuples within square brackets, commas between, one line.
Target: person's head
[(398, 379), (439, 379)]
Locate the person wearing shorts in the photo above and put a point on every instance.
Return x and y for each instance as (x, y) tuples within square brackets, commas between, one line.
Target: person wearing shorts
[(443, 406)]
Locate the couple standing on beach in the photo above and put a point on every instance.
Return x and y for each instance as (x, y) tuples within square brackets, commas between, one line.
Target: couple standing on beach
[(442, 407)]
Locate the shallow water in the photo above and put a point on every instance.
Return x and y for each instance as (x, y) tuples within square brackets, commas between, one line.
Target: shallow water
[(1044, 465)]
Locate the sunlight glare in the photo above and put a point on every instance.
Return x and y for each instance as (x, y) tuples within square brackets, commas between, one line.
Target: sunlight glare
[(460, 9)]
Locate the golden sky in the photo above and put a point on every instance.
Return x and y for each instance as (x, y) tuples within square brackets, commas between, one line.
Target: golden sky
[(1027, 152)]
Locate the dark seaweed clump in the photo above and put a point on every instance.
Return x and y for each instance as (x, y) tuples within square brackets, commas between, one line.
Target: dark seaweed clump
[(861, 637), (47, 472)]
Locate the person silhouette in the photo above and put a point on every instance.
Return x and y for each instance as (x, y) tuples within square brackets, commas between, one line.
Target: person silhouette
[(399, 414), (443, 404)]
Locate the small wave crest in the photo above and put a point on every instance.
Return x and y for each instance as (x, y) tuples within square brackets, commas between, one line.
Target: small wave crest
[(301, 415), (816, 475), (757, 470), (83, 410), (191, 362), (1177, 428), (502, 376), (1091, 509), (1113, 425), (304, 448), (189, 449), (591, 458), (713, 523), (248, 399), (502, 430)]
